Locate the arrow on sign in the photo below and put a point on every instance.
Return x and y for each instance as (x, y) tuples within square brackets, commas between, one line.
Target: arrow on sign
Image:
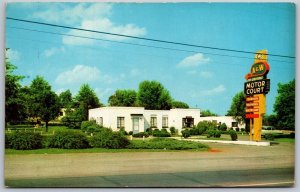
[(252, 104), (252, 99), (252, 110)]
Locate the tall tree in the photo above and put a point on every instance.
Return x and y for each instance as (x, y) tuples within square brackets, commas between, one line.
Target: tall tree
[(237, 108), (152, 95), (14, 102), (206, 113), (65, 99), (43, 102), (86, 99), (125, 98), (285, 105), (180, 104)]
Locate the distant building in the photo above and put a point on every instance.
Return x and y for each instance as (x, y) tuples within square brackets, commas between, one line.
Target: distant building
[(138, 119)]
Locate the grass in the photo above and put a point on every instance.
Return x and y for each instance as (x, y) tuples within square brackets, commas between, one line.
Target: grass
[(90, 150), (288, 140)]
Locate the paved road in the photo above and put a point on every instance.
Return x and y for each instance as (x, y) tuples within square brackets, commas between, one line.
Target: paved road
[(224, 165), (282, 177)]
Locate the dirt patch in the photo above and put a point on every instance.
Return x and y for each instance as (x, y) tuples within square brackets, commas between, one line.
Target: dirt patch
[(215, 150)]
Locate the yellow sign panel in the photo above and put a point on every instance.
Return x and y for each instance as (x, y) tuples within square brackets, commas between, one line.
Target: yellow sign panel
[(260, 56)]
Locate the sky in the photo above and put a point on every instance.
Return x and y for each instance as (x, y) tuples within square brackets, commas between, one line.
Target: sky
[(201, 77)]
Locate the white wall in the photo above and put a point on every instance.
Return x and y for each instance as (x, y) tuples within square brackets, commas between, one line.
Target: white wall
[(110, 114)]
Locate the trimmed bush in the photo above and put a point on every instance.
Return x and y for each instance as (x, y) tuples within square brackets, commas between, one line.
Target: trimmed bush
[(122, 131), (85, 124), (106, 138), (68, 140), (165, 143), (164, 130), (223, 127), (243, 129), (141, 134), (233, 135), (172, 130), (185, 133), (213, 133), (21, 140), (158, 133), (292, 135), (269, 136), (130, 132), (237, 129), (149, 131)]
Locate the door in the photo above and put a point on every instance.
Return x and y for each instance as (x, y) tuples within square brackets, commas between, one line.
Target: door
[(135, 124)]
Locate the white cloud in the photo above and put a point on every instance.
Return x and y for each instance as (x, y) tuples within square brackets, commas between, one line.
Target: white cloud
[(103, 93), (50, 52), (206, 74), (210, 92), (59, 91), (13, 55), (216, 90), (92, 16), (134, 72), (105, 25), (72, 15), (193, 60), (192, 72), (81, 74)]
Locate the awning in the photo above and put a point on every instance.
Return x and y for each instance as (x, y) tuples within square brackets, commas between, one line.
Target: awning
[(136, 114)]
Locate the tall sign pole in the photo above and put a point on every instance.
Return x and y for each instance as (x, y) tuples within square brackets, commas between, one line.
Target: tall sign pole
[(255, 88)]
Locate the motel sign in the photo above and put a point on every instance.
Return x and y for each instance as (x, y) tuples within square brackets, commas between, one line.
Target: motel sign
[(255, 89)]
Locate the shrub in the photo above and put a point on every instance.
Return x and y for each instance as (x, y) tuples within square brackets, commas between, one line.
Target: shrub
[(233, 135), (122, 131), (21, 140), (185, 133), (237, 129), (158, 133), (292, 135), (243, 129), (164, 130), (164, 143), (214, 133), (85, 124), (269, 136), (130, 132), (172, 130), (7, 140), (106, 138), (223, 127), (149, 131), (141, 134), (68, 140)]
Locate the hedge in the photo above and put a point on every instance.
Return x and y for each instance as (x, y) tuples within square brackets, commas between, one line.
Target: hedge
[(22, 140), (68, 140), (106, 138)]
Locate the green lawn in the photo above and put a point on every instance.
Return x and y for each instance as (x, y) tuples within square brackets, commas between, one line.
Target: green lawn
[(90, 150)]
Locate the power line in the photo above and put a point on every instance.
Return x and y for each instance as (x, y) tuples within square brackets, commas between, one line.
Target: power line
[(135, 44), (141, 38)]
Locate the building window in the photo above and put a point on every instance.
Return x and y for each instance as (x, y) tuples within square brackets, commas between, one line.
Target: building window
[(153, 122), (187, 122), (121, 122), (100, 121), (165, 122), (234, 124)]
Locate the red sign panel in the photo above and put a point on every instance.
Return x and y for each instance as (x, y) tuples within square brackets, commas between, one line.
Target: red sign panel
[(251, 116)]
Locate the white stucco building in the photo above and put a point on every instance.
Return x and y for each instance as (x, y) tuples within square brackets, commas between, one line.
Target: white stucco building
[(137, 119)]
